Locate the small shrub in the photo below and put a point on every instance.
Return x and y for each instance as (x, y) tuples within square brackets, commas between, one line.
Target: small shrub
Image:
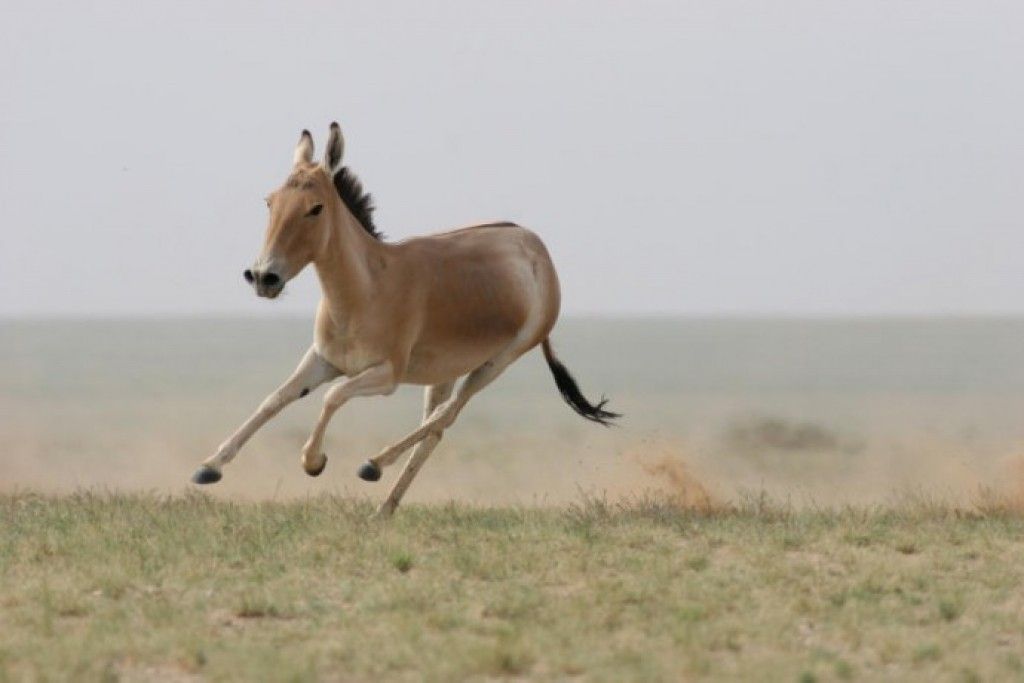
[(256, 608), (402, 561), (698, 563), (950, 610)]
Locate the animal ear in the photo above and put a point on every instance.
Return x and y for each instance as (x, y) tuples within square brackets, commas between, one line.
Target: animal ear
[(335, 148), (304, 150)]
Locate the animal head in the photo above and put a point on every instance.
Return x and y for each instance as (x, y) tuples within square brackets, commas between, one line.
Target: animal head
[(299, 225)]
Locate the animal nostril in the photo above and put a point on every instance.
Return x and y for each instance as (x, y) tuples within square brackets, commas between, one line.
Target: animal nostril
[(270, 280), (249, 277)]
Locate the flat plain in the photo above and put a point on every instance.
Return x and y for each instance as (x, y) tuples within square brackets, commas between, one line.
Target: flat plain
[(789, 500), (97, 586)]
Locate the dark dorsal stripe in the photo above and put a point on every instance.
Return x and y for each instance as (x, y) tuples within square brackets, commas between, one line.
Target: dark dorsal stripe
[(496, 224), (358, 201)]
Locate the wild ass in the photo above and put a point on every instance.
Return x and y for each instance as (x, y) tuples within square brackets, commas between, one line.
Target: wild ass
[(426, 311)]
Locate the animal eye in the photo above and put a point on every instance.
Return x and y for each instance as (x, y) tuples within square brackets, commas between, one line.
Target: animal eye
[(315, 211)]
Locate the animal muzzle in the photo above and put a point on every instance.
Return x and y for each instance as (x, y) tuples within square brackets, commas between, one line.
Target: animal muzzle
[(267, 283)]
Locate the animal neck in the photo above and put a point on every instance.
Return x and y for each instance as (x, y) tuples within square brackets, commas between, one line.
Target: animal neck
[(347, 265)]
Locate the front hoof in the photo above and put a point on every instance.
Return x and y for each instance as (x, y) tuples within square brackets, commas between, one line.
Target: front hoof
[(316, 472), (206, 475), (369, 472)]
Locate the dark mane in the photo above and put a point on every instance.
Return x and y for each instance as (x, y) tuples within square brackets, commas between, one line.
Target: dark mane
[(358, 201)]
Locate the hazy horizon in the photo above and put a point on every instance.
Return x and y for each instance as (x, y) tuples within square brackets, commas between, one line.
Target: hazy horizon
[(847, 410)]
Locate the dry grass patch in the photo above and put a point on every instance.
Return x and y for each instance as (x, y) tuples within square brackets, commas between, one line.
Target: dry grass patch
[(96, 586)]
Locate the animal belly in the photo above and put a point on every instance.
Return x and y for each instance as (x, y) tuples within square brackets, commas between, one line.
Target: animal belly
[(438, 363)]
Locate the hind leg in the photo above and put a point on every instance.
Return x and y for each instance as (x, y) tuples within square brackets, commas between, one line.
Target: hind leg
[(444, 415), (433, 397)]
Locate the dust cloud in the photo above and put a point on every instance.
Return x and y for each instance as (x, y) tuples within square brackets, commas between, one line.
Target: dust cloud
[(475, 465)]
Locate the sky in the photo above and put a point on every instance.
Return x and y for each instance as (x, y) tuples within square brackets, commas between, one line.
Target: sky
[(696, 158)]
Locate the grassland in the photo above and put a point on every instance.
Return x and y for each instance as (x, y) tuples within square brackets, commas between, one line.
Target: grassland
[(97, 586)]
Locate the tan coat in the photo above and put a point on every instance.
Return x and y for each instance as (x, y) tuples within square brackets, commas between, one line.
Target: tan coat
[(426, 310)]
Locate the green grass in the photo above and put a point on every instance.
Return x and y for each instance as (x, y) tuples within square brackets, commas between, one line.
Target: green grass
[(143, 587)]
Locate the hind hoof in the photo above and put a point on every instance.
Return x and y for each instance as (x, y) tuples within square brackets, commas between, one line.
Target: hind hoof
[(369, 472), (316, 472), (206, 475)]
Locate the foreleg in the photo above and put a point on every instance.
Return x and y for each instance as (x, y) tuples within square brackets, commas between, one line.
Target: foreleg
[(311, 372)]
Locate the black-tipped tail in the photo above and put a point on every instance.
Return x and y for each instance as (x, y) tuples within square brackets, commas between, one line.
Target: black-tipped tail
[(571, 392)]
